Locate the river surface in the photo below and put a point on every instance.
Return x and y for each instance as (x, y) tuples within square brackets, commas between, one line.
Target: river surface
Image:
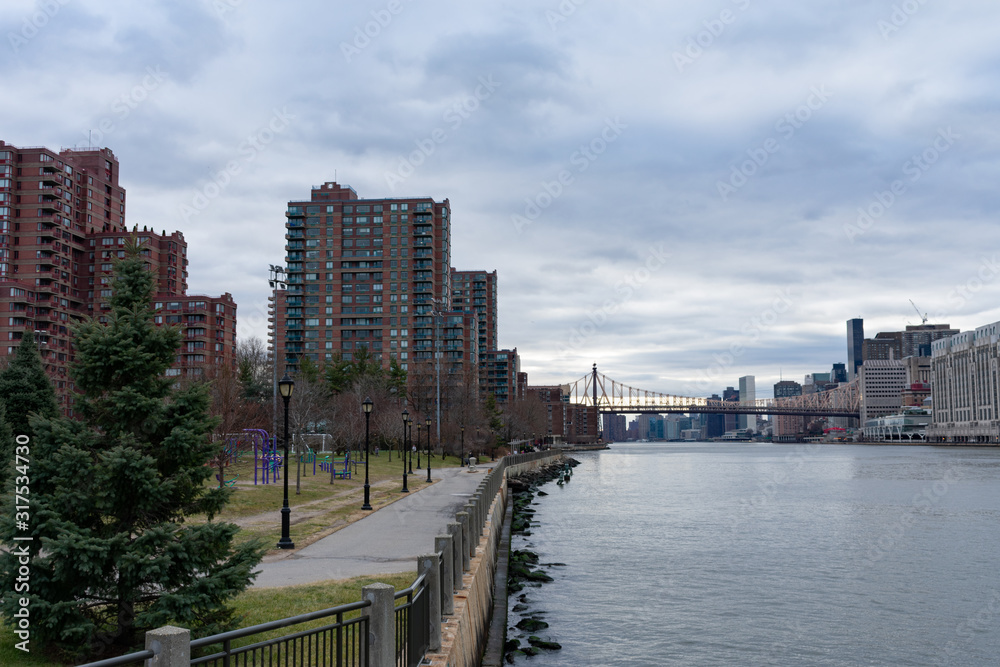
[(759, 554)]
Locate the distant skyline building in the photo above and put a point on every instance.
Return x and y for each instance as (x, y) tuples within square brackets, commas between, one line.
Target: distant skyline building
[(917, 338), (965, 386), (748, 396), (887, 345), (731, 394), (715, 424), (881, 385), (838, 373), (855, 346), (787, 427), (914, 341)]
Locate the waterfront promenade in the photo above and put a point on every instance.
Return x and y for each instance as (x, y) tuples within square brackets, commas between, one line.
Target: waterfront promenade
[(387, 541)]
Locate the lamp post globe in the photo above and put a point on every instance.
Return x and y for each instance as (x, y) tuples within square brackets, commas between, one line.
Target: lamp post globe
[(367, 405), (428, 449), (285, 387), (405, 448)]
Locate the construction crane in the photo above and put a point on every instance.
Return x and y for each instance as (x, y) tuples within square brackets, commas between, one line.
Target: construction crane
[(923, 318)]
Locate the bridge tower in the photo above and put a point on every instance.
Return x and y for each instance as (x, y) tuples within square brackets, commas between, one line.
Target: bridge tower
[(597, 412)]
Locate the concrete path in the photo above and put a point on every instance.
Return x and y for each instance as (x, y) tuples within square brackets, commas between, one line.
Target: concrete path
[(384, 542)]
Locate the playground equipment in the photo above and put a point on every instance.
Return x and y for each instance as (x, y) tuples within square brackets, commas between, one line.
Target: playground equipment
[(266, 457), (228, 482), (342, 473)]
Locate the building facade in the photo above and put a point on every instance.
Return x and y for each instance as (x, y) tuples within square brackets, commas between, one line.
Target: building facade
[(882, 382), (855, 346), (363, 274), (498, 371), (62, 226), (787, 428), (748, 396), (476, 292), (965, 387)]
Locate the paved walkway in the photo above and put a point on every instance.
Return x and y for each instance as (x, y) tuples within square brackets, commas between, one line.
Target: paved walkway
[(386, 541)]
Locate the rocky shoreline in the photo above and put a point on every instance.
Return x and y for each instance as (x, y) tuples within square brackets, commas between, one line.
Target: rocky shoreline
[(524, 570)]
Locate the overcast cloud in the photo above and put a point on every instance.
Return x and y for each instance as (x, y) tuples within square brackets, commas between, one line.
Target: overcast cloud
[(658, 184)]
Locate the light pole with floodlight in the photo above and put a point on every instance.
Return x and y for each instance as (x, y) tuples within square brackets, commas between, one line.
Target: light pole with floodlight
[(409, 451), (418, 445), (367, 407), (406, 448), (428, 421), (285, 387)]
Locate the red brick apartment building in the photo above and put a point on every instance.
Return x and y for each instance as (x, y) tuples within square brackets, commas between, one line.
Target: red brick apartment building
[(371, 274), (62, 224)]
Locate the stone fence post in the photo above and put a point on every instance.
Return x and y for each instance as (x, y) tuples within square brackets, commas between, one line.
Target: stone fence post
[(172, 646), (381, 624), (463, 518), (443, 544), (430, 565), (455, 530)]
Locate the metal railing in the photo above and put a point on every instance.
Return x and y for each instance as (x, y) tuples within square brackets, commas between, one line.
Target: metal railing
[(127, 659), (342, 642), (412, 624)]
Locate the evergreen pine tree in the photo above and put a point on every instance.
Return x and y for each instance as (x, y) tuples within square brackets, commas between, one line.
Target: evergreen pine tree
[(25, 388), (111, 555), (6, 449)]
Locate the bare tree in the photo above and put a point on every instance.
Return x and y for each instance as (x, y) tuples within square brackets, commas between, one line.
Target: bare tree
[(309, 411), (234, 411)]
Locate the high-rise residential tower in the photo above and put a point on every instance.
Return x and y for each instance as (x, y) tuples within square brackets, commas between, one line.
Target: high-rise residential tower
[(62, 226), (363, 274)]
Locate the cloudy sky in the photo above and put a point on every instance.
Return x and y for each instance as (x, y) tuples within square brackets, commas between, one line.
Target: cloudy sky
[(681, 192)]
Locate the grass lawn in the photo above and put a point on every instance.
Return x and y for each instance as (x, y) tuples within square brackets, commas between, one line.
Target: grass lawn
[(255, 606), (320, 508)]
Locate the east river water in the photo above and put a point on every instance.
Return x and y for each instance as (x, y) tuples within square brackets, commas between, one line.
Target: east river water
[(759, 554)]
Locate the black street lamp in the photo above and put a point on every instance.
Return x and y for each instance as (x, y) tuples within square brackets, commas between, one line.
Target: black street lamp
[(418, 446), (367, 407), (285, 386), (461, 451), (409, 431), (406, 448), (428, 422)]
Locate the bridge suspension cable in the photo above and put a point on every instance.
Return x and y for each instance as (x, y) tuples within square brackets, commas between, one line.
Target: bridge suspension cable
[(611, 396)]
